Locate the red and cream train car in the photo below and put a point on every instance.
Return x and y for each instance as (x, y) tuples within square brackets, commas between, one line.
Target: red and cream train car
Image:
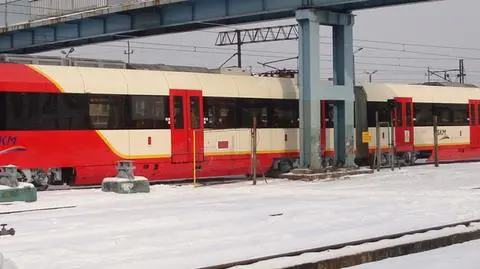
[(74, 123), (77, 122), (456, 106)]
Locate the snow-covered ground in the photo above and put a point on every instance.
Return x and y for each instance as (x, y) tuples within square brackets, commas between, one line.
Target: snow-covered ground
[(461, 256), (187, 227)]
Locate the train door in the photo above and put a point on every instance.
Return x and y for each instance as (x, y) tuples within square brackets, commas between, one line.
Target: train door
[(326, 123), (403, 118), (186, 125), (474, 111), (323, 128)]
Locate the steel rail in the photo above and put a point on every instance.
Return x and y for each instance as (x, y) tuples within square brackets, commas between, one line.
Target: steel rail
[(340, 245), (37, 209)]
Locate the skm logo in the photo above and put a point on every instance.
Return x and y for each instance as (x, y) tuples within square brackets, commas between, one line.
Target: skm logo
[(443, 134), (8, 140)]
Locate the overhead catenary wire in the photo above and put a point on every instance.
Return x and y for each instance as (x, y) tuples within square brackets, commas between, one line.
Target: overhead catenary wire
[(411, 44), (400, 57)]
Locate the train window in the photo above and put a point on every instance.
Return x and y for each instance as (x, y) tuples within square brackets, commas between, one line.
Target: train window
[(283, 114), (25, 113), (399, 114), (409, 114), (195, 112), (423, 114), (329, 108), (473, 120), (220, 112), (178, 112), (444, 113), (45, 111), (383, 113), (149, 112), (107, 111), (460, 116), (249, 108)]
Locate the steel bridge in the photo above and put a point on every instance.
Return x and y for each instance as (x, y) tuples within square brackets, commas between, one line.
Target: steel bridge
[(108, 20)]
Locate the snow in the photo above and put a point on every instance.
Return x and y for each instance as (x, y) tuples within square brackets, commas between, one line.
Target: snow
[(187, 227), (464, 256), (313, 257), (21, 185), (119, 179)]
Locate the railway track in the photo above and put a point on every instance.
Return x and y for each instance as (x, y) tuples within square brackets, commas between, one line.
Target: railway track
[(227, 180), (203, 182), (338, 262), (36, 210)]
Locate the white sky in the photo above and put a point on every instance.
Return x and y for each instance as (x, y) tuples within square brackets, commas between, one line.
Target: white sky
[(448, 23)]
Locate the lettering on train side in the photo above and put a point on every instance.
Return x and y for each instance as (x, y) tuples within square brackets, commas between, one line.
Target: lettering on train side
[(443, 134), (8, 140)]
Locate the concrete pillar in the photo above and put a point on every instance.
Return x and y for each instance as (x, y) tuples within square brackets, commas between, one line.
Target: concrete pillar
[(309, 71), (311, 93), (343, 77)]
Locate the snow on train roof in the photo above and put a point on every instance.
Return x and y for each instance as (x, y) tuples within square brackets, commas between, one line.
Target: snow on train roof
[(421, 93)]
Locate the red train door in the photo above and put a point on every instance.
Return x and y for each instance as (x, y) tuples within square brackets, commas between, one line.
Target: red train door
[(403, 118), (474, 111), (186, 125), (323, 128)]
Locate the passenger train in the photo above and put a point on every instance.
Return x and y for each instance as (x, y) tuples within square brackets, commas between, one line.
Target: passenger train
[(71, 124)]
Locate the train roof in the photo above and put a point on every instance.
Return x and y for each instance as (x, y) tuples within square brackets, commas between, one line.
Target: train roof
[(421, 93), (74, 79)]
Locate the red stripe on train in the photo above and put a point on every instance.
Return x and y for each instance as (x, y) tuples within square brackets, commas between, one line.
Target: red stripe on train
[(22, 78)]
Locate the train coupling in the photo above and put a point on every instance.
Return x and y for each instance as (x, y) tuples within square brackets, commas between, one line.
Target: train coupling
[(4, 231)]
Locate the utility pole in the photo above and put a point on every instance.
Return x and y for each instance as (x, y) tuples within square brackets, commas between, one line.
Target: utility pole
[(461, 69), (128, 52), (239, 48), (6, 13), (446, 76)]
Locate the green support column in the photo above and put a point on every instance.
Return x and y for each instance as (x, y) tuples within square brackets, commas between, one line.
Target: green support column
[(309, 81), (343, 77), (311, 92)]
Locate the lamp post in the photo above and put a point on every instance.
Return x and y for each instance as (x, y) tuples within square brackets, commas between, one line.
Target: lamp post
[(354, 78), (67, 54), (370, 74)]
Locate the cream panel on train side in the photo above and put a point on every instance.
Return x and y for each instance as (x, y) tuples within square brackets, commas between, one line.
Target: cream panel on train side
[(117, 141), (141, 82), (385, 137), (67, 79), (253, 87), (219, 142), (99, 80), (284, 140), (160, 143), (447, 135), (265, 138), (242, 143), (282, 88), (182, 81), (218, 85), (330, 139)]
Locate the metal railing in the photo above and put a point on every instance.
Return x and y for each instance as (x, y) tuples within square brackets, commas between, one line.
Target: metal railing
[(41, 9)]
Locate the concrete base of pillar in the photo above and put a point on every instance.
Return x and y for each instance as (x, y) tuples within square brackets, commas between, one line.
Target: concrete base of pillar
[(125, 185), (328, 173), (25, 192)]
